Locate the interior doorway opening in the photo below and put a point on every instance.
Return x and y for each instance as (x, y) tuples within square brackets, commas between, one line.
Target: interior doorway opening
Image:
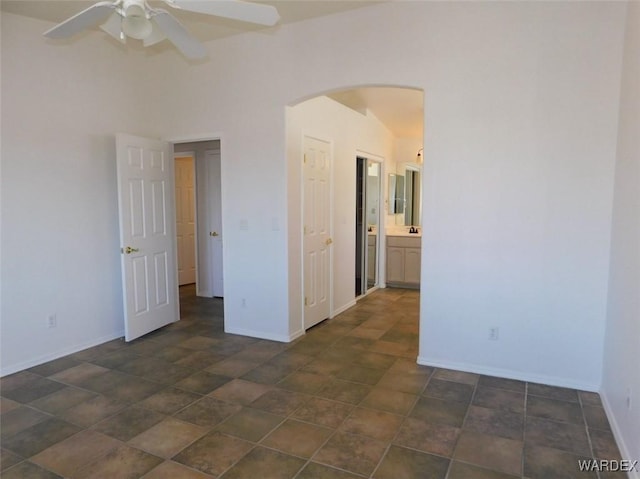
[(381, 122), (199, 216)]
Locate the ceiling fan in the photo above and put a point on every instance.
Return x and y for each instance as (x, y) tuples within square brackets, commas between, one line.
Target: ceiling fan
[(137, 19)]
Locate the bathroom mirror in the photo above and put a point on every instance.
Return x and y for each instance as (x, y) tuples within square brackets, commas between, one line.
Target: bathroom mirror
[(405, 194), (396, 194), (413, 194)]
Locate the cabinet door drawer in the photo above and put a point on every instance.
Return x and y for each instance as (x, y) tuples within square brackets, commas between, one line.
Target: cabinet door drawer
[(412, 265), (404, 241), (395, 264)]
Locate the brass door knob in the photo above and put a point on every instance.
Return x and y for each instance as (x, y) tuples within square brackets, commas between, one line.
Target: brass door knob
[(329, 241), (129, 250), (213, 233)]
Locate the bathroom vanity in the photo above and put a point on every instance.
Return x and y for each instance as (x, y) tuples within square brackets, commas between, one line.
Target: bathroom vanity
[(403, 234), (403, 260)]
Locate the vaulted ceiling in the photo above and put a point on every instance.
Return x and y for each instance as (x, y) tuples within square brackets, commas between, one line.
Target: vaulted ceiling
[(203, 27), (401, 110)]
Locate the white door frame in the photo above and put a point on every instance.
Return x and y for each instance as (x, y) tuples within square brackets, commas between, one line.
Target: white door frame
[(380, 256)]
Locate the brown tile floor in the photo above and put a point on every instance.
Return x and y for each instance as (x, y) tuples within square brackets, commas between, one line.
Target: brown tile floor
[(347, 400)]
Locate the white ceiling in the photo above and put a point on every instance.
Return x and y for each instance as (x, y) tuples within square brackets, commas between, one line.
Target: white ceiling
[(401, 110), (203, 27)]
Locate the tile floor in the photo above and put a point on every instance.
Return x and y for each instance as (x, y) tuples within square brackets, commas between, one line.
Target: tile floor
[(345, 401)]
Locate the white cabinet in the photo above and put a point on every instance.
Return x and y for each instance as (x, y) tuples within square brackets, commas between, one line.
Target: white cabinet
[(403, 261), (395, 265), (412, 265)]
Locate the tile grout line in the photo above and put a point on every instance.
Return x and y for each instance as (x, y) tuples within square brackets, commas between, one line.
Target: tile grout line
[(466, 415), (404, 420), (524, 429), (586, 429)]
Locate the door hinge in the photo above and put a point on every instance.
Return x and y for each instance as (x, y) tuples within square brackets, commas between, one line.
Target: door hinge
[(305, 301), (304, 230), (304, 158)]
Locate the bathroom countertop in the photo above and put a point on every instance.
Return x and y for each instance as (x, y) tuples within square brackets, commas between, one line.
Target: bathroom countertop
[(403, 232)]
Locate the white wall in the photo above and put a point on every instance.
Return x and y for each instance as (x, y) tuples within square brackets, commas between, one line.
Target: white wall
[(518, 182), (520, 145), (350, 134), (521, 130), (406, 150), (621, 374), (61, 106)]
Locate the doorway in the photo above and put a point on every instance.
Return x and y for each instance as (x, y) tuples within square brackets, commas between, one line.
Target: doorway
[(205, 214), (371, 122), (368, 176)]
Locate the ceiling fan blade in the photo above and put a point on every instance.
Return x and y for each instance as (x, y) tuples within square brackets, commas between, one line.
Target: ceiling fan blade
[(157, 35), (234, 9), (176, 33), (81, 21), (113, 26)]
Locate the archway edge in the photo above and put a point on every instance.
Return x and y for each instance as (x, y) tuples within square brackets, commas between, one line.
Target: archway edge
[(356, 86)]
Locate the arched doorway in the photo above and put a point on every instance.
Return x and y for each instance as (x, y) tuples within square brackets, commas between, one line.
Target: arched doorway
[(381, 123)]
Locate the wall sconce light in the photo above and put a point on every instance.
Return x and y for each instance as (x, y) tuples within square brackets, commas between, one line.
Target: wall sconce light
[(420, 156)]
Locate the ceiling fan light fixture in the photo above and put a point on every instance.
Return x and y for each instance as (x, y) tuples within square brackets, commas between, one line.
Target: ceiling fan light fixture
[(135, 23), (138, 19), (156, 35)]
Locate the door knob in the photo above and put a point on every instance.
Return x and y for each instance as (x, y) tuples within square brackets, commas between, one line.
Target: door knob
[(129, 250), (213, 233), (329, 241)]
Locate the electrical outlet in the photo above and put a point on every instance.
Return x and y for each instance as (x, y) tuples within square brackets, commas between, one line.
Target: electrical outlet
[(244, 303), (494, 333), (52, 321)]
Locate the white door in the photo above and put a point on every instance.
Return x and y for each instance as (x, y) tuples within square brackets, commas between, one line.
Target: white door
[(212, 158), (317, 240), (185, 219), (147, 234)]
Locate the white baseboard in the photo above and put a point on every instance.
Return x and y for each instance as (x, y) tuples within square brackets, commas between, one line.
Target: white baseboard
[(14, 368), (282, 338), (509, 374), (204, 293), (343, 308), (296, 335), (617, 434)]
